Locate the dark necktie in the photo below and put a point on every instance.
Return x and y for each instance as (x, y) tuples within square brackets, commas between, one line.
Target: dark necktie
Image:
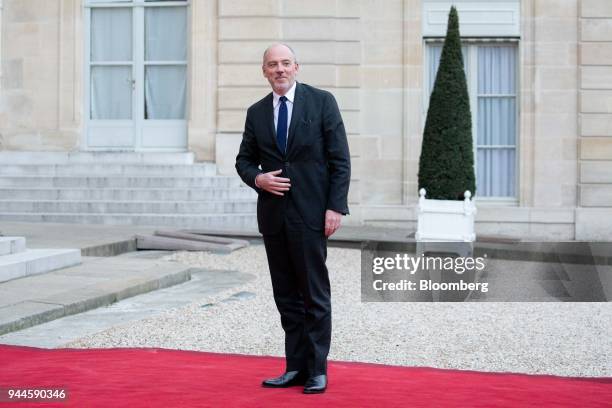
[(281, 128)]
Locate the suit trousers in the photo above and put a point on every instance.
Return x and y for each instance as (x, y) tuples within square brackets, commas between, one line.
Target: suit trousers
[(300, 282)]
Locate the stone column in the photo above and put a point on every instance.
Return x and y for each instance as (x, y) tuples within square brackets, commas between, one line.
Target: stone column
[(202, 123), (1, 59), (555, 39), (594, 212), (413, 97)]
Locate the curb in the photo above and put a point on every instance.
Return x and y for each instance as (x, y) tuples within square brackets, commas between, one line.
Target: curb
[(45, 310), (111, 249)]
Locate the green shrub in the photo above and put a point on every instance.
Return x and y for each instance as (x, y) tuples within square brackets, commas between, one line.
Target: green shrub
[(446, 165)]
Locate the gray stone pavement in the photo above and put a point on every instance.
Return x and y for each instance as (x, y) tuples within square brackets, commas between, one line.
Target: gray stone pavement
[(57, 333), (89, 238), (96, 282), (117, 272), (111, 271), (96, 237)]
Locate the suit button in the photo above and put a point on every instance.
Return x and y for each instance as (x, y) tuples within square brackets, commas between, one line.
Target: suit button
[(287, 164)]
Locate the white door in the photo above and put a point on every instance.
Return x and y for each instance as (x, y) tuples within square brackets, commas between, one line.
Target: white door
[(136, 75)]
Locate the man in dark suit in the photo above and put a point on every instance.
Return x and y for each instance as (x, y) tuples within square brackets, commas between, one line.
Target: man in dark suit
[(294, 153)]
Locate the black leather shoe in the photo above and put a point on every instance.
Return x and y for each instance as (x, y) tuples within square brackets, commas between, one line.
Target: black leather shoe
[(316, 384), (289, 379)]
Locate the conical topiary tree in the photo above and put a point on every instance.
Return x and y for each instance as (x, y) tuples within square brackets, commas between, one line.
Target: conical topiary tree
[(446, 165)]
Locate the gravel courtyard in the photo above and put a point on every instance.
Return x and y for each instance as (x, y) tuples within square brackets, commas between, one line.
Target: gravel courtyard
[(569, 339)]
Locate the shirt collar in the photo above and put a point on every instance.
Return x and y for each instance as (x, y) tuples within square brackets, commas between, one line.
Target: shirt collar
[(290, 95)]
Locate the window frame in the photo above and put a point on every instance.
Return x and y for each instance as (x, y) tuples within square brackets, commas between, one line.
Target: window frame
[(132, 3), (472, 43), (138, 133)]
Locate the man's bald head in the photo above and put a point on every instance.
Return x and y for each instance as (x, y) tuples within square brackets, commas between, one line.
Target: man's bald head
[(277, 45)]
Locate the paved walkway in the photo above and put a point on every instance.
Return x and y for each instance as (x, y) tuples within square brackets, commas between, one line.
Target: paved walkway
[(92, 238), (111, 270), (555, 338)]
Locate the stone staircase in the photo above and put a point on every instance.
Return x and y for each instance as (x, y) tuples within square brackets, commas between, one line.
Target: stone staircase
[(158, 189), (16, 261)]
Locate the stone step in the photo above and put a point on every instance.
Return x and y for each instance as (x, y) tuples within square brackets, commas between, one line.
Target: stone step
[(129, 207), (531, 281), (12, 157), (119, 182), (12, 245), (183, 240), (530, 299), (128, 194), (109, 169), (96, 282), (238, 221), (527, 291), (36, 261), (177, 244)]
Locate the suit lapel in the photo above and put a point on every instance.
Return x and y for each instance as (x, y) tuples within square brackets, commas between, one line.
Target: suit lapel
[(296, 115), (269, 114)]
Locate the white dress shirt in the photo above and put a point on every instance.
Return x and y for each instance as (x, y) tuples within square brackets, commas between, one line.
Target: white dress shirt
[(276, 104)]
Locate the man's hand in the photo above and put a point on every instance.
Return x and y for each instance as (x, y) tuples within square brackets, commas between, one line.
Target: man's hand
[(332, 222), (271, 183)]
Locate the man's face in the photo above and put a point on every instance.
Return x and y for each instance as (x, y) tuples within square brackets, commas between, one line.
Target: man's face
[(280, 68)]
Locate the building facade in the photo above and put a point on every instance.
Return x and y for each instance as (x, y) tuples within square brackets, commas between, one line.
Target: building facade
[(172, 76)]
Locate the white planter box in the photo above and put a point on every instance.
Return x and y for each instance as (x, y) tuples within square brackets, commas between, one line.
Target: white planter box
[(445, 220)]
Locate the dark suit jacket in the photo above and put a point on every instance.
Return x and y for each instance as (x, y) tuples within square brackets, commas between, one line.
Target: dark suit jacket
[(317, 159)]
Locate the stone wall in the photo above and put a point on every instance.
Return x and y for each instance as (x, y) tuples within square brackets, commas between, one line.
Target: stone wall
[(552, 51), (369, 54), (594, 215), (40, 105), (354, 49), (548, 116)]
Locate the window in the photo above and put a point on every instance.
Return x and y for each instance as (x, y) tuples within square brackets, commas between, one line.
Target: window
[(491, 72), (136, 59), (165, 60)]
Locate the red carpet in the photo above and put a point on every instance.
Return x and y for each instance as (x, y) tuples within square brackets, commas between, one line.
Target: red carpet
[(170, 378)]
